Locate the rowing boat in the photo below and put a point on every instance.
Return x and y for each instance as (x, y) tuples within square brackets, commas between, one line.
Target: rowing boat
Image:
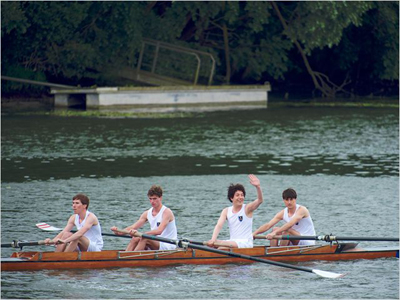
[(36, 260)]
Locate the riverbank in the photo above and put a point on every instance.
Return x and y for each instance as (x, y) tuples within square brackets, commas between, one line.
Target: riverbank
[(44, 105)]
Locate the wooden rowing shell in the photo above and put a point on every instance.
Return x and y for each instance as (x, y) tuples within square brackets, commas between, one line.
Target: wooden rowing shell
[(35, 260)]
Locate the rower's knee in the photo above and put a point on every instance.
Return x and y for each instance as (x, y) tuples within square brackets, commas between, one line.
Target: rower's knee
[(275, 229)]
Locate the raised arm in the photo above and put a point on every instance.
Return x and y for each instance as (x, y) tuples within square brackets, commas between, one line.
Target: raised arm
[(256, 203)]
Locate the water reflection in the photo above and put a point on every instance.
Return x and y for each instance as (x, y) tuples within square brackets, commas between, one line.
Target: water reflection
[(62, 168), (355, 142)]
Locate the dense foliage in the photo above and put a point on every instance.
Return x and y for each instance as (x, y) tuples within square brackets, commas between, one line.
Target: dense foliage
[(326, 47)]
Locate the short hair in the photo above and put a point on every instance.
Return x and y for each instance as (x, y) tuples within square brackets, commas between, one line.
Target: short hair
[(289, 193), (155, 190), (233, 188), (83, 198)]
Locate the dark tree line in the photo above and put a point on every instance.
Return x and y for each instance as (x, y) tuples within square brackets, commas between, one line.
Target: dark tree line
[(327, 48)]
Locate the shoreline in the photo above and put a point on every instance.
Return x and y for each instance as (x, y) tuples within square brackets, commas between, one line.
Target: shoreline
[(44, 105)]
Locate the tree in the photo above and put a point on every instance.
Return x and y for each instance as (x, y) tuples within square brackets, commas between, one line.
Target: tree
[(253, 41), (308, 26), (235, 31), (72, 39)]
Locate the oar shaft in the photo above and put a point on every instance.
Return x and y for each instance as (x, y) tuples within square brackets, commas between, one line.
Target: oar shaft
[(372, 239), (115, 235), (151, 237), (73, 231), (288, 237), (248, 257), (328, 238)]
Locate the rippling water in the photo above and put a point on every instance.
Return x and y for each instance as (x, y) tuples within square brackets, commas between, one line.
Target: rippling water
[(343, 163), (361, 142)]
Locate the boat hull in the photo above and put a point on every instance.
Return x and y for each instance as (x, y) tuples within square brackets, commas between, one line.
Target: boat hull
[(122, 259)]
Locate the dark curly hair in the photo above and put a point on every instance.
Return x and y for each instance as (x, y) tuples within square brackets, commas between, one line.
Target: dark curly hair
[(233, 188)]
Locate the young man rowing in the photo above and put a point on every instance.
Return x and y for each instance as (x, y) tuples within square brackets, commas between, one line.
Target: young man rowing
[(162, 223), (88, 237), (239, 217), (297, 218)]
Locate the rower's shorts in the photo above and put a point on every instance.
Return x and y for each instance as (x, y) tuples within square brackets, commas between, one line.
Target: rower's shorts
[(305, 243), (243, 243), (93, 247), (166, 246)]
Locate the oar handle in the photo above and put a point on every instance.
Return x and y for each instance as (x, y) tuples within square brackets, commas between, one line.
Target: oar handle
[(20, 244), (137, 233), (205, 243), (277, 237)]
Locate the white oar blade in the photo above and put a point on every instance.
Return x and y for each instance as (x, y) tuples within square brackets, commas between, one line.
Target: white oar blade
[(327, 274), (47, 227)]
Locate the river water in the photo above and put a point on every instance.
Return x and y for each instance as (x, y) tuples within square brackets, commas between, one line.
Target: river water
[(344, 164)]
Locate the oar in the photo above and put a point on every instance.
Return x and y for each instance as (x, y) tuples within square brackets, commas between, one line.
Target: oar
[(328, 238), (183, 244), (47, 227), (20, 244)]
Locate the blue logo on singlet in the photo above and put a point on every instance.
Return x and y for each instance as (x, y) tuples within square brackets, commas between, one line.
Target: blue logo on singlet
[(158, 224), (240, 218)]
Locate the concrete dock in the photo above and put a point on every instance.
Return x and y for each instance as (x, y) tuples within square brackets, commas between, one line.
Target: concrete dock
[(170, 96)]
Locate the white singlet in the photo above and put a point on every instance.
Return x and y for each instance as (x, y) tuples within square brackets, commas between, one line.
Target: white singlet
[(240, 228), (305, 226), (93, 234), (170, 232)]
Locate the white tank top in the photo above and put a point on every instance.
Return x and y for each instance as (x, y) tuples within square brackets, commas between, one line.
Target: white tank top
[(240, 226), (170, 232), (93, 234), (305, 226)]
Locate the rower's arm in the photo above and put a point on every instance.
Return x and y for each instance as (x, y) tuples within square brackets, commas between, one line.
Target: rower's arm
[(70, 225), (90, 221), (139, 223), (67, 228), (276, 219), (167, 217), (220, 224), (300, 214)]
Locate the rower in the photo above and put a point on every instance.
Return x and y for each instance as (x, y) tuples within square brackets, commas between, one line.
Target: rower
[(87, 238), (239, 216), (162, 223), (297, 218)]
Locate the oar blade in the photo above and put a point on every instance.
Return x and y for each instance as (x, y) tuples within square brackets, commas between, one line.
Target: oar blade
[(47, 227), (327, 274)]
